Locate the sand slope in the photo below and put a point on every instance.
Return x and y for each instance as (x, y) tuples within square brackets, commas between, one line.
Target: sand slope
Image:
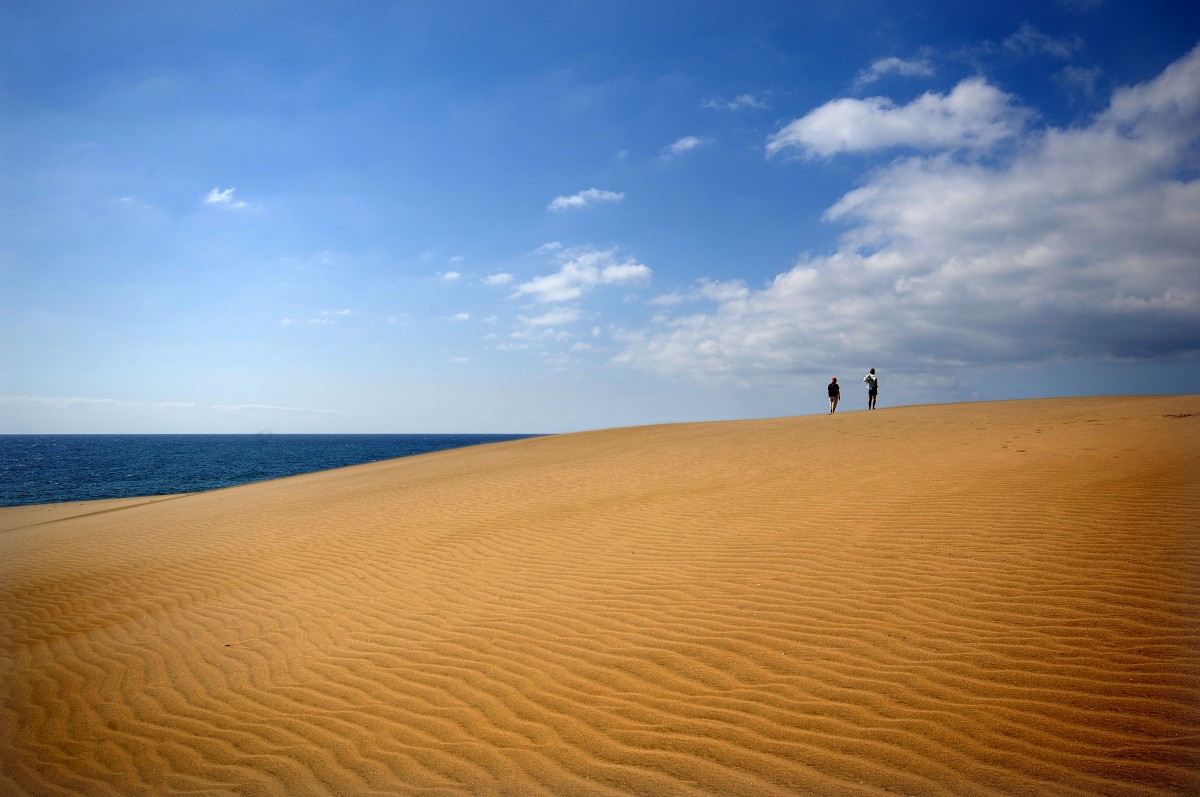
[(996, 598)]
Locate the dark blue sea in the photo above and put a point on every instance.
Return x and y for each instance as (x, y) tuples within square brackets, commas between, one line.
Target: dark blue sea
[(43, 469)]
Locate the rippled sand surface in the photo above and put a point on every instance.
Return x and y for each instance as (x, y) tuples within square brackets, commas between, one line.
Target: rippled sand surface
[(976, 599)]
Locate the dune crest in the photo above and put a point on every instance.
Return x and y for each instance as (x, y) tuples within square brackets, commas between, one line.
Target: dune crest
[(975, 599)]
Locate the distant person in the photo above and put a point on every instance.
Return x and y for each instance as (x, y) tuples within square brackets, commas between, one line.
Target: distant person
[(835, 393), (872, 380)]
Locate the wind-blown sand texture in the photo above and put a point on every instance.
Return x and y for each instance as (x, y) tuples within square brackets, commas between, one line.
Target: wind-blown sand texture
[(975, 599)]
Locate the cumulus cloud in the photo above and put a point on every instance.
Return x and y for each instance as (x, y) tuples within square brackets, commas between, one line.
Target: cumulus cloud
[(584, 199), (975, 115), (223, 197), (498, 279), (580, 271), (685, 144), (894, 66), (1079, 243)]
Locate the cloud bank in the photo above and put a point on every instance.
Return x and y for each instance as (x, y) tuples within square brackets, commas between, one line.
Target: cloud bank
[(1073, 243)]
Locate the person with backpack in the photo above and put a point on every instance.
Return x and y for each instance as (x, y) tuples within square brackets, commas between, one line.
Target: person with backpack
[(872, 380)]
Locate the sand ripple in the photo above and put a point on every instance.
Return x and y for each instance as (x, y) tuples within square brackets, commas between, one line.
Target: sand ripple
[(984, 599)]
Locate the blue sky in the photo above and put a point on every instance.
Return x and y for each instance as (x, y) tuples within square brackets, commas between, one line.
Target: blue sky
[(552, 216)]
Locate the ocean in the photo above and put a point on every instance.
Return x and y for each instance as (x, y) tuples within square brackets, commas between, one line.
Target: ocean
[(43, 469)]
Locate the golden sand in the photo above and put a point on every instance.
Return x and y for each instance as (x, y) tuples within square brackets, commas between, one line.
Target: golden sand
[(977, 599)]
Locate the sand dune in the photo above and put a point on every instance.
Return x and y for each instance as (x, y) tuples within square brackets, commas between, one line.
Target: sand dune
[(983, 599)]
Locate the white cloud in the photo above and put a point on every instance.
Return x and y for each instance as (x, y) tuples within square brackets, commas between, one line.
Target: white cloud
[(669, 299), (898, 66), (974, 116), (459, 317), (584, 199), (223, 197), (498, 279), (737, 103), (1080, 79), (685, 144), (1165, 108), (1029, 41), (582, 270), (450, 276), (557, 316), (536, 336), (705, 290), (723, 291), (134, 202), (325, 317), (1079, 244)]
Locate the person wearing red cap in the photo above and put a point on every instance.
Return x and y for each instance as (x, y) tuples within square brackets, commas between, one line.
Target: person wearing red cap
[(835, 393)]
